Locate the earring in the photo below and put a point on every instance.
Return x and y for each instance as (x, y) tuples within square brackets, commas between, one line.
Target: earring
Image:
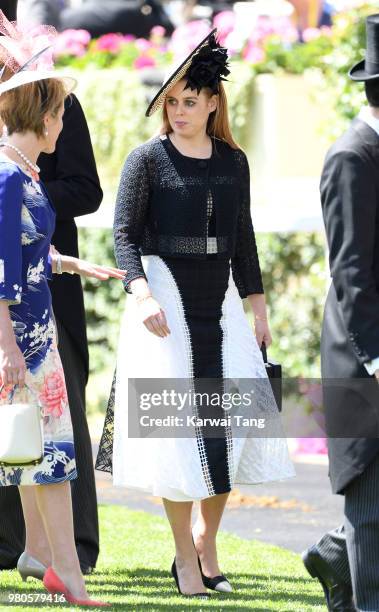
[(46, 132)]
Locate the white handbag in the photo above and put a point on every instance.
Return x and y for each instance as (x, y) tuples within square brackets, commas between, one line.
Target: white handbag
[(21, 432)]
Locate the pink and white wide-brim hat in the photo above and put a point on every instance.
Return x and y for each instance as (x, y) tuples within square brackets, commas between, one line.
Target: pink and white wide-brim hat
[(30, 76), (28, 53)]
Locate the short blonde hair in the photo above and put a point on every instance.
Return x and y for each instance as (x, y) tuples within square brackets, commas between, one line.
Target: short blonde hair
[(23, 108)]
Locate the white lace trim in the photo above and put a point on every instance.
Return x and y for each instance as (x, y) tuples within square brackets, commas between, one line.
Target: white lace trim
[(189, 354), (225, 361)]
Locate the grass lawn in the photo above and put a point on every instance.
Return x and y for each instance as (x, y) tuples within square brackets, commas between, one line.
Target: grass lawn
[(133, 572)]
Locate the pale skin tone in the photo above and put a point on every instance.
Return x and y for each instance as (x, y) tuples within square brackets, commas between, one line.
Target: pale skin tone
[(188, 114), (302, 8), (44, 505)]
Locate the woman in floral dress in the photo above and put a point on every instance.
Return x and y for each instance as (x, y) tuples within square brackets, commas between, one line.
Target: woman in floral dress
[(31, 108)]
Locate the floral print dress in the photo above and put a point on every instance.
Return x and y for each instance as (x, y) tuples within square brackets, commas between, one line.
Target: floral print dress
[(27, 222)]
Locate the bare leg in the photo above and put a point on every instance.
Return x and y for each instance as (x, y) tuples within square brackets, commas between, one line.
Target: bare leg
[(205, 532), (36, 542), (302, 13), (179, 515), (55, 506)]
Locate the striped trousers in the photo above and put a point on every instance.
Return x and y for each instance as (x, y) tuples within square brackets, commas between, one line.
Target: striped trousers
[(84, 501), (352, 550)]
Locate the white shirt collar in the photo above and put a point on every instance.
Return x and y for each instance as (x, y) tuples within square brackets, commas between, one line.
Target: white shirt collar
[(366, 116)]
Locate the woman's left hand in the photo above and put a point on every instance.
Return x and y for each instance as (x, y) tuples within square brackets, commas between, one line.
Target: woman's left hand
[(262, 332), (90, 270)]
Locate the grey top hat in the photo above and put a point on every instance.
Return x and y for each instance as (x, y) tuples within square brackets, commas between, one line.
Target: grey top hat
[(368, 69)]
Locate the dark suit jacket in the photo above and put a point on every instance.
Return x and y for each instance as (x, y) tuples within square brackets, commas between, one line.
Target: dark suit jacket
[(126, 16), (72, 182), (350, 333), (9, 8)]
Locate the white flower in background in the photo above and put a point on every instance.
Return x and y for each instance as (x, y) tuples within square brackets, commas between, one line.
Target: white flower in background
[(2, 280), (35, 273)]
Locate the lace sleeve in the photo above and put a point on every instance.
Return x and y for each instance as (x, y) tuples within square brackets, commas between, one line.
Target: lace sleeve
[(130, 214), (245, 263)]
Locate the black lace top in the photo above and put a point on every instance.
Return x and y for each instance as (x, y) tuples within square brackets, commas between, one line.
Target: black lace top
[(163, 209)]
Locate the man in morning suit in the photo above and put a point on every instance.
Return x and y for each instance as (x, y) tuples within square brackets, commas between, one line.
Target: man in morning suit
[(346, 560), (72, 182)]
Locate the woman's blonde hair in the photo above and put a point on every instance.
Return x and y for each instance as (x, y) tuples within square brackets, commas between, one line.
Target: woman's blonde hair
[(23, 108), (218, 122)]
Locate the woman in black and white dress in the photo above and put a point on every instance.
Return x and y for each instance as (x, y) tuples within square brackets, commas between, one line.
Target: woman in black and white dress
[(183, 231)]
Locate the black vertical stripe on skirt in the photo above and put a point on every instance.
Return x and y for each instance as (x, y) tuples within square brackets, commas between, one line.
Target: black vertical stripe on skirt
[(202, 285)]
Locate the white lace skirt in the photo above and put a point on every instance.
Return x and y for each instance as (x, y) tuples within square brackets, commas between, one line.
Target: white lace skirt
[(179, 468)]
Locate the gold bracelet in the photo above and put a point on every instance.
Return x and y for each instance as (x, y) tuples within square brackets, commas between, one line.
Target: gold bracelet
[(259, 318), (143, 297)]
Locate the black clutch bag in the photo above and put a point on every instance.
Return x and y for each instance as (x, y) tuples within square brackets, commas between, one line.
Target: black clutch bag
[(274, 372)]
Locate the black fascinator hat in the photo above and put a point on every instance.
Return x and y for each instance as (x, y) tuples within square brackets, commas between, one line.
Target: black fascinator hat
[(205, 66), (368, 69)]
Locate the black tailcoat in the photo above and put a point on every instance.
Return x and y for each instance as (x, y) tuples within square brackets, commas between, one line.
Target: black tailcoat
[(136, 17), (72, 182), (350, 333)]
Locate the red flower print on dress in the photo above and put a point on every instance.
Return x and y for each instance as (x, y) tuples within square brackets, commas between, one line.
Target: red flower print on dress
[(54, 395)]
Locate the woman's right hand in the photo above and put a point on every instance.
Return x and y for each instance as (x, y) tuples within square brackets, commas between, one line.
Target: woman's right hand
[(153, 317), (12, 365)]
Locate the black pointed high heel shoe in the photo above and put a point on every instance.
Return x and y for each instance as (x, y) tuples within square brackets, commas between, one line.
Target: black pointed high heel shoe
[(174, 573), (217, 583)]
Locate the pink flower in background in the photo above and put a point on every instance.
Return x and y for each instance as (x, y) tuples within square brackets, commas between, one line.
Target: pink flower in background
[(273, 26), (313, 446), (129, 38), (186, 37), (263, 27), (284, 28), (313, 391), (144, 61), (110, 42), (319, 417), (143, 45), (311, 34), (157, 32), (253, 54), (326, 30), (225, 23), (53, 395), (72, 42)]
